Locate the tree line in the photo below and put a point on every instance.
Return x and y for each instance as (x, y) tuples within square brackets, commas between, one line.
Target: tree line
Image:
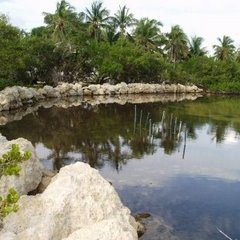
[(96, 47)]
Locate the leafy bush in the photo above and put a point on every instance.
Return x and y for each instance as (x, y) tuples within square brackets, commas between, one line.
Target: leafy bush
[(125, 61), (9, 203), (9, 165), (10, 53), (211, 73), (9, 162)]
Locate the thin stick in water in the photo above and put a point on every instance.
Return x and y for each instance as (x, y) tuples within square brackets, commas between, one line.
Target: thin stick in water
[(150, 127), (170, 126), (175, 127), (185, 141), (140, 122), (224, 234), (135, 118), (147, 120)]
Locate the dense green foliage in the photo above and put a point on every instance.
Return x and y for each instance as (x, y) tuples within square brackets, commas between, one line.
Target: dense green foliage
[(10, 53), (94, 46)]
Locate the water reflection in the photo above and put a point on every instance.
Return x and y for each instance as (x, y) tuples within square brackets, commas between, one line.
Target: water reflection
[(177, 160), (116, 133), (193, 207), (98, 138)]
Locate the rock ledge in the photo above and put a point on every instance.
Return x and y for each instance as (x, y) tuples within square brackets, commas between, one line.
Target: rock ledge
[(16, 97), (77, 205)]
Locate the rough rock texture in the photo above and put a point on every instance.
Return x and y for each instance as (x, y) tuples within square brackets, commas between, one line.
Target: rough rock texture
[(111, 229), (46, 180), (16, 97), (31, 170), (77, 205)]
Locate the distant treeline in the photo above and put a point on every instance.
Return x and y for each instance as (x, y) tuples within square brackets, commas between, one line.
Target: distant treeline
[(96, 47)]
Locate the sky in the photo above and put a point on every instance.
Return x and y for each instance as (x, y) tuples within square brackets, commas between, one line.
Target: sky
[(209, 19)]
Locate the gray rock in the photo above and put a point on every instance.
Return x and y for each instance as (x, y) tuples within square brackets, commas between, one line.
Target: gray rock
[(77, 205), (31, 170), (15, 97)]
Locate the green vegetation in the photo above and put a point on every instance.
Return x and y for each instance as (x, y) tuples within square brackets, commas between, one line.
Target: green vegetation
[(9, 162), (9, 203), (9, 165), (95, 46)]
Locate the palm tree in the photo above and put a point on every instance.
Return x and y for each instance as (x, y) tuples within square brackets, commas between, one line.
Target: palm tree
[(110, 34), (97, 18), (237, 55), (123, 19), (59, 21), (225, 50), (147, 33), (195, 47), (176, 44)]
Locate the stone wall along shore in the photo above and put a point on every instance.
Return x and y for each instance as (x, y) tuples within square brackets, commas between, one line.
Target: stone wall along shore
[(16, 97)]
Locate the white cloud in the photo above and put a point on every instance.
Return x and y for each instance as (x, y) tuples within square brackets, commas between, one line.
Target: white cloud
[(209, 19)]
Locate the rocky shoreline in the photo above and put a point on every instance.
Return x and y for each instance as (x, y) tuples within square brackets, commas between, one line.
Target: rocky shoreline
[(78, 204), (16, 97), (89, 101)]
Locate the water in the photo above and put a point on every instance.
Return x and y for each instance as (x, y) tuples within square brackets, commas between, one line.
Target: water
[(178, 161)]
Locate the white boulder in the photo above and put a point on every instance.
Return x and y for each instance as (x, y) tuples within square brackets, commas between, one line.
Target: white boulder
[(25, 93), (31, 170), (51, 92), (111, 229), (123, 88), (78, 204)]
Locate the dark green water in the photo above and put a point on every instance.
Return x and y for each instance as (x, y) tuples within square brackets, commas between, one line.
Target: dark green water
[(178, 161)]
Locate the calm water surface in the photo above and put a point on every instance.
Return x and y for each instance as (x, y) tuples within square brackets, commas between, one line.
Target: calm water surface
[(178, 161)]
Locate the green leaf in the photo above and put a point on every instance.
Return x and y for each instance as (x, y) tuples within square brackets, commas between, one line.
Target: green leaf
[(9, 163)]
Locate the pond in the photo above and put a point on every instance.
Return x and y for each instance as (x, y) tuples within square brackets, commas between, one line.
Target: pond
[(178, 161)]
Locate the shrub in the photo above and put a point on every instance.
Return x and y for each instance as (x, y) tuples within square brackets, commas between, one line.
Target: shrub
[(9, 162), (9, 165), (9, 204)]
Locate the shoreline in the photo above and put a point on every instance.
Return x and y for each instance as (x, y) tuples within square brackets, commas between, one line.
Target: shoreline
[(17, 97)]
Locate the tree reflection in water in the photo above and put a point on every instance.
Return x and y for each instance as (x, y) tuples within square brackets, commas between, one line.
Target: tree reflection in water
[(116, 133)]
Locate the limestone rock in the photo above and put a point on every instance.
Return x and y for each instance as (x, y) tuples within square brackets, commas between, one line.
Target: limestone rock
[(111, 229), (31, 170), (16, 97), (50, 92), (123, 88), (94, 88), (25, 93), (87, 91), (78, 204)]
